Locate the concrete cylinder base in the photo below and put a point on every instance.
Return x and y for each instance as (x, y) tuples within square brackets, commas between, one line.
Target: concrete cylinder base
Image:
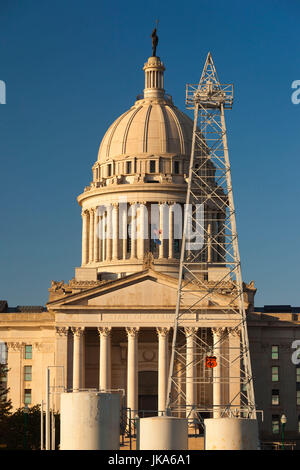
[(90, 421), (231, 434), (163, 433)]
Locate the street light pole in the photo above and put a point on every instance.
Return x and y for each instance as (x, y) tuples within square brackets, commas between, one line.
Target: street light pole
[(47, 409), (25, 425), (42, 425), (283, 420)]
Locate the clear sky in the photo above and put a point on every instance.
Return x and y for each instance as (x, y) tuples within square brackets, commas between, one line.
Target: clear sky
[(71, 67)]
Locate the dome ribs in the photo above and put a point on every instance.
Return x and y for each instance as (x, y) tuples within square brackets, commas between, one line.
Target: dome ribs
[(146, 129), (114, 127), (124, 143)]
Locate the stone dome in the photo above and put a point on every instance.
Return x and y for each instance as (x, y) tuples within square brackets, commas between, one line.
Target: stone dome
[(152, 126)]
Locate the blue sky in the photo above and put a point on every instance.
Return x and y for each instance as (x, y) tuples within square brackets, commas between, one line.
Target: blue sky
[(72, 67)]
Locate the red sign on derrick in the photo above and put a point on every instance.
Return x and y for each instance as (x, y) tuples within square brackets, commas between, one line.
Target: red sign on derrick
[(210, 361)]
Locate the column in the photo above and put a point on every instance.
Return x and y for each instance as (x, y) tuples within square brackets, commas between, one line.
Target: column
[(142, 229), (234, 367), (161, 228), (77, 357), (104, 360), (132, 370), (124, 232), (115, 231), (217, 372), (162, 368), (179, 371), (221, 238), (214, 229), (171, 231), (190, 333), (61, 359), (100, 234), (96, 236), (104, 236), (85, 234), (91, 240), (82, 363), (109, 233), (133, 230), (209, 238)]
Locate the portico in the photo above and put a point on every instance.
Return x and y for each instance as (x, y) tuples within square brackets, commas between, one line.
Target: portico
[(109, 345)]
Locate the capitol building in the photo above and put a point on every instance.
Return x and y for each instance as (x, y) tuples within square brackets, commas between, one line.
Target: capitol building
[(110, 327)]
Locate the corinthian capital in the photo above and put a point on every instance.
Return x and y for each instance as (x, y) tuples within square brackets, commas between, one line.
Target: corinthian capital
[(77, 330), (15, 346), (62, 330), (104, 331), (190, 330), (163, 332), (132, 332), (234, 331), (218, 332), (84, 213)]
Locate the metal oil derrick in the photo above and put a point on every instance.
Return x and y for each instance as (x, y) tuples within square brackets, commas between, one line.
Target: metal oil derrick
[(210, 288)]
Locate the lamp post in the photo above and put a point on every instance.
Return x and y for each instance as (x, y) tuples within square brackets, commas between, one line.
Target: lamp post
[(283, 421), (26, 411)]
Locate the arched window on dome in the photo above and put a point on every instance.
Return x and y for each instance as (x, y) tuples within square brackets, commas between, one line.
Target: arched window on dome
[(128, 245), (128, 168), (152, 166), (176, 167)]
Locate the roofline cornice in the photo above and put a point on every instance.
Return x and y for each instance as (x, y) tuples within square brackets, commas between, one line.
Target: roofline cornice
[(130, 188)]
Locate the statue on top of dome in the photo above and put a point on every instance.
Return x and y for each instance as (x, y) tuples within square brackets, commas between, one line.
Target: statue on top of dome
[(154, 42)]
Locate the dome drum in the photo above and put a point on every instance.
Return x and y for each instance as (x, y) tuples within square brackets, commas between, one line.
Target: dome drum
[(141, 169)]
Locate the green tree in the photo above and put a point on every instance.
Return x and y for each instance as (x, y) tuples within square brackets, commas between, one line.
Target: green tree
[(24, 429), (5, 404)]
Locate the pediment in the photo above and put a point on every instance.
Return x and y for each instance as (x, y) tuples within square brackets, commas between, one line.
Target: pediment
[(143, 289), (147, 289)]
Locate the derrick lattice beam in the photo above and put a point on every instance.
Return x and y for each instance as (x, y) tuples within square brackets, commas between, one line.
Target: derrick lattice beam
[(210, 287)]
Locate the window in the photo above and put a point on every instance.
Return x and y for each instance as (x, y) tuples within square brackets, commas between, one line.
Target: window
[(275, 352), (28, 351), (298, 397), (27, 396), (3, 353), (108, 170), (275, 374), (275, 397), (297, 374), (128, 240), (28, 373), (152, 166), (275, 424), (176, 168), (128, 167)]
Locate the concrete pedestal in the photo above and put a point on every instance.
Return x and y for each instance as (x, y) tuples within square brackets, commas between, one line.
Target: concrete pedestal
[(231, 434), (163, 433), (90, 421)]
